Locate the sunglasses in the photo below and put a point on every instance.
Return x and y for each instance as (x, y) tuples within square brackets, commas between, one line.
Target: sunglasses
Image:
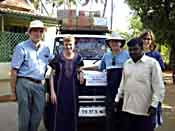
[(146, 38), (113, 60)]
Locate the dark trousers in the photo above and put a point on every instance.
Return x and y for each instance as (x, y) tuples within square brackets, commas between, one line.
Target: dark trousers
[(113, 120), (131, 122)]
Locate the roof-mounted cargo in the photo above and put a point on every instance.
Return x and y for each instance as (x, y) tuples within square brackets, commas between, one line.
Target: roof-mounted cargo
[(85, 22)]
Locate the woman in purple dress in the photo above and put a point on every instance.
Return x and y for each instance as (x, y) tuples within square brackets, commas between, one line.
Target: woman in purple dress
[(64, 88)]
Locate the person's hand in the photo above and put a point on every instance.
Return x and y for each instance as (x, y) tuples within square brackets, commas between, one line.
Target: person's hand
[(115, 106), (13, 97), (53, 97), (81, 78), (151, 111), (118, 105), (81, 68)]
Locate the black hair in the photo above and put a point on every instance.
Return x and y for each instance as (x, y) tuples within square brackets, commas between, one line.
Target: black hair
[(135, 41)]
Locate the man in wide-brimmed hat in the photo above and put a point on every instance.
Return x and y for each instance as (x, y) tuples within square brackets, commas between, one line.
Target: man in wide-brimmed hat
[(28, 65), (34, 26)]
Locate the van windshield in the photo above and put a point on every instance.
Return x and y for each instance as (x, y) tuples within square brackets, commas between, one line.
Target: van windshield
[(89, 48)]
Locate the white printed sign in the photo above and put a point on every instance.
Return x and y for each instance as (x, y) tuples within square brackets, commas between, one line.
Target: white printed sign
[(95, 78)]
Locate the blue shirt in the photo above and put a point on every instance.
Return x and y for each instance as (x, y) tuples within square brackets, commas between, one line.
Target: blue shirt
[(156, 55), (31, 61), (120, 59)]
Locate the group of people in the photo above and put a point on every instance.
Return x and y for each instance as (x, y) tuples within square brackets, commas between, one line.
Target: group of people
[(134, 93)]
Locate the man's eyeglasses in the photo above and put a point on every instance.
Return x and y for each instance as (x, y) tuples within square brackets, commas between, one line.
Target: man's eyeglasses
[(146, 38), (113, 60)]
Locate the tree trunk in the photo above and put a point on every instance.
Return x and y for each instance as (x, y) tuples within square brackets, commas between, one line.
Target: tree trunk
[(172, 56), (112, 10), (104, 9)]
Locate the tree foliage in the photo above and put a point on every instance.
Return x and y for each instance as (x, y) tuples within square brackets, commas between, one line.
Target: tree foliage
[(68, 3), (158, 15), (136, 26)]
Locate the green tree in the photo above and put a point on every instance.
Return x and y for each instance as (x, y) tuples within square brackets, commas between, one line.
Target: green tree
[(135, 28), (159, 16), (35, 3), (68, 3)]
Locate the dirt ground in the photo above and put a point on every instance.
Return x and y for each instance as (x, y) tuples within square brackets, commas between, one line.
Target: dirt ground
[(168, 105)]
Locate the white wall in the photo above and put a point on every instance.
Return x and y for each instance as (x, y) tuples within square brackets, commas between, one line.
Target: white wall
[(50, 37)]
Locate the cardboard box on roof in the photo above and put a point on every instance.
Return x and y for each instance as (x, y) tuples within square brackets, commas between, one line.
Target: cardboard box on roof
[(69, 22), (85, 20), (72, 13), (61, 14), (81, 21)]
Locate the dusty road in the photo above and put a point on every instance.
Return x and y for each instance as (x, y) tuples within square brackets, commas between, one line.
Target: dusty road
[(8, 111), (169, 108)]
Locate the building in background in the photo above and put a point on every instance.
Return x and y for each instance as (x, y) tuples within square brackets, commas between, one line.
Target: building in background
[(15, 16)]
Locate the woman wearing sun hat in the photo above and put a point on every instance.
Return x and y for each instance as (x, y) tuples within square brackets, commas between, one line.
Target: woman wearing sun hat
[(112, 62)]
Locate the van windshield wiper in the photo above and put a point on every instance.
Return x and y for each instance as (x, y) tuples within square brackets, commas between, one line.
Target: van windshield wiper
[(97, 60)]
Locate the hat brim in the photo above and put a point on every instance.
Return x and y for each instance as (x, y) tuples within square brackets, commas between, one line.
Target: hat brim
[(29, 29), (115, 39)]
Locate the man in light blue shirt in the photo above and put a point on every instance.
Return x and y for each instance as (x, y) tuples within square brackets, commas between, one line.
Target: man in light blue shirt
[(29, 65), (30, 60)]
